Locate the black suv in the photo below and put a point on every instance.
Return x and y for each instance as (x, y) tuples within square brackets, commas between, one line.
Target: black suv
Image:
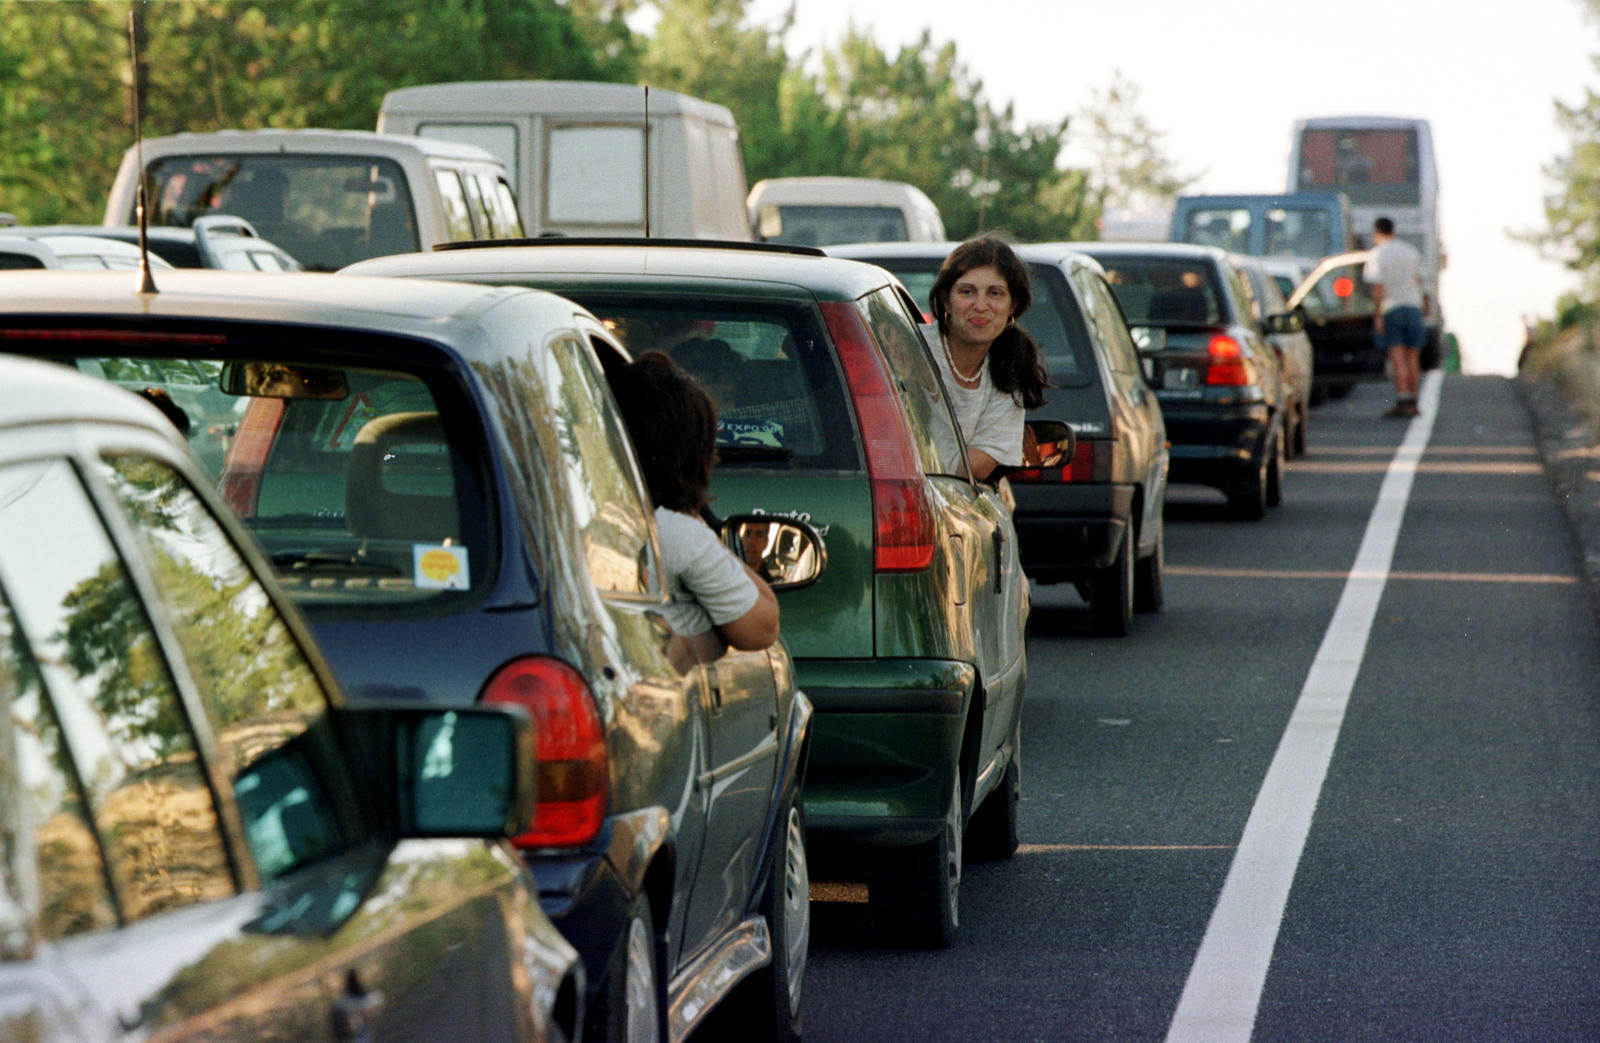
[(1218, 379), (1092, 518)]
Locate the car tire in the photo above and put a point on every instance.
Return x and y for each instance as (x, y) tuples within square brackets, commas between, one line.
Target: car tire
[(1250, 503), (1275, 465), (1300, 434), (1111, 591), (992, 833), (915, 893), (1149, 575), (631, 1002), (766, 1005)]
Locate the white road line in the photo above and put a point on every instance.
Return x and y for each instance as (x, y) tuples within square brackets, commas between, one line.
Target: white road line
[(1223, 992)]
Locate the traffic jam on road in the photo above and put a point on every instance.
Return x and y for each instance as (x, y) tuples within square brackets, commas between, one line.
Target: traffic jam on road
[(364, 689)]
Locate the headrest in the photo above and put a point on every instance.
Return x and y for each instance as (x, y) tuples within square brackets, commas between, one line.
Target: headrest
[(400, 481)]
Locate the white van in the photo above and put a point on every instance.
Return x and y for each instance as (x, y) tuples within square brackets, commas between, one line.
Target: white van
[(328, 197), (576, 153), (822, 211)]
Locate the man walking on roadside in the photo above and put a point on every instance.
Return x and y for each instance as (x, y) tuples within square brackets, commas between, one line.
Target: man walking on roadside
[(1394, 272)]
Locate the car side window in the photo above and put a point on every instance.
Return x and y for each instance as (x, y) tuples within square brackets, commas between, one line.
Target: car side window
[(52, 880), (933, 425), (1111, 328), (258, 691), (606, 494), (120, 715), (457, 214)]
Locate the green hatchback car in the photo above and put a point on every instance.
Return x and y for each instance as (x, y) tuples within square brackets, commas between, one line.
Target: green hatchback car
[(910, 645)]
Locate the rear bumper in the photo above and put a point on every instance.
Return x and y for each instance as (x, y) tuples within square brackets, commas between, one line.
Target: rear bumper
[(1219, 447), (1066, 531), (885, 747)]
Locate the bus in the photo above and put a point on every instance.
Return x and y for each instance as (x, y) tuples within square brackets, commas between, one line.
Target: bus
[(1385, 166)]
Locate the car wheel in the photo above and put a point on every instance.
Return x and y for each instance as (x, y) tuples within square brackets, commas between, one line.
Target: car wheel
[(766, 1005), (992, 833), (1274, 484), (1111, 593), (1149, 584), (915, 892), (1300, 433), (1251, 503), (629, 1008)]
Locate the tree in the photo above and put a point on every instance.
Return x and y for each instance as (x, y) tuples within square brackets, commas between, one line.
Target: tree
[(1573, 209), (1128, 167)]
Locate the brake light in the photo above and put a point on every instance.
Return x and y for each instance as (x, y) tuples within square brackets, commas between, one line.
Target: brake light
[(903, 526), (141, 337), (1092, 461), (1228, 366), (573, 772), (1343, 286)]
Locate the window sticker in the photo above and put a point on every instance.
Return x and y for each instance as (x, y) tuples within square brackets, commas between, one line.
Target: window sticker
[(750, 432), (439, 566)]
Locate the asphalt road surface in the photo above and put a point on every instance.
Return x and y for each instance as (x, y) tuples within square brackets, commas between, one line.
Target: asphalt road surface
[(1343, 787)]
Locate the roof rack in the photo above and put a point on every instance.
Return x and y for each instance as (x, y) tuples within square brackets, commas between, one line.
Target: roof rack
[(621, 240)]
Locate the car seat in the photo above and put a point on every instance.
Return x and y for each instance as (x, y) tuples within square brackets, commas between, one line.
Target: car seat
[(400, 482)]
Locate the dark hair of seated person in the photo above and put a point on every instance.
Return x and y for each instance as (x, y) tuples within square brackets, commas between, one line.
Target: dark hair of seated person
[(673, 423), (163, 401)]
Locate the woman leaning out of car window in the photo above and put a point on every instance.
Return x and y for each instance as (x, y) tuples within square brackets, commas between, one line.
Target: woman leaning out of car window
[(990, 365), (672, 422)]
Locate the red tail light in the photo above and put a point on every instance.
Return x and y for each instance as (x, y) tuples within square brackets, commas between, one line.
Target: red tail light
[(1228, 366), (902, 512), (571, 742), (240, 480), (1092, 461)]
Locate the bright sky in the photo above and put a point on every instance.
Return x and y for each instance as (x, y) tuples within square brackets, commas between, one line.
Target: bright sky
[(1225, 80)]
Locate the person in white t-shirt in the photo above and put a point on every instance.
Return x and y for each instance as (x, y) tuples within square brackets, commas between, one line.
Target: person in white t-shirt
[(991, 367), (672, 422), (1394, 272)]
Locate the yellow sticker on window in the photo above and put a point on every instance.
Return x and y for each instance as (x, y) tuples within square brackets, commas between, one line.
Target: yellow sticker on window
[(439, 567)]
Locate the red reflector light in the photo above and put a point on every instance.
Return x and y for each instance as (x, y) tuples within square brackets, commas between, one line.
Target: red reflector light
[(1228, 367), (1343, 286), (573, 771), (143, 337), (904, 527)]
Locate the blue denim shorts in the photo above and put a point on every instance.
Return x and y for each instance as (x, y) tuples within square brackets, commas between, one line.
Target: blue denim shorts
[(1402, 328)]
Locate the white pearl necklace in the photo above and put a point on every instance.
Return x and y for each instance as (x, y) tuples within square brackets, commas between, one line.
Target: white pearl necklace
[(961, 378)]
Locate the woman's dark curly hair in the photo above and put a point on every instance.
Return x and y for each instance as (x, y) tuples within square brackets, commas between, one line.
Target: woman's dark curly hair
[(673, 424), (1016, 364)]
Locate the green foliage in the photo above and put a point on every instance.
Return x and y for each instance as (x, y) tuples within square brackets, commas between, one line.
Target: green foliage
[(1129, 167)]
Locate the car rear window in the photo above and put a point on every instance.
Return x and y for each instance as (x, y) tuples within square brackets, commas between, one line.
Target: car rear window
[(771, 370), (823, 225), (1164, 291), (1052, 318), (363, 487), (325, 211)]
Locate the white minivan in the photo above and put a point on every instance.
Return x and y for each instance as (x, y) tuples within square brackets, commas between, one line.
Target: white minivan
[(822, 211), (577, 153), (328, 197)]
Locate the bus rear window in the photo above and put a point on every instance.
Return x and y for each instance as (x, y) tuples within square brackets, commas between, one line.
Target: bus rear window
[(1369, 166)]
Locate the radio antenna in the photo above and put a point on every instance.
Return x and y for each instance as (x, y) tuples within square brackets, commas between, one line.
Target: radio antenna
[(147, 283), (647, 161)]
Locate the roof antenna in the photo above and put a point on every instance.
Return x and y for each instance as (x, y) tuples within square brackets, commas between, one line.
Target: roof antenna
[(647, 161), (147, 283)]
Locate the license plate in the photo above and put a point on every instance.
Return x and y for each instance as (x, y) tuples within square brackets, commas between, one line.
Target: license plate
[(1181, 378)]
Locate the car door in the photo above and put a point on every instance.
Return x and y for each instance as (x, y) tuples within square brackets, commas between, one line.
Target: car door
[(990, 579), (1140, 427)]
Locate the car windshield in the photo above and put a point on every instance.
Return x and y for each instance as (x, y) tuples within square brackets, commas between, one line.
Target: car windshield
[(770, 370), (1052, 318), (1161, 291), (355, 480), (822, 225), (325, 211), (1297, 232)]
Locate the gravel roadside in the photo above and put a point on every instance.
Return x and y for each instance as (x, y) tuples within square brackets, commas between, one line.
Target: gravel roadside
[(1570, 449)]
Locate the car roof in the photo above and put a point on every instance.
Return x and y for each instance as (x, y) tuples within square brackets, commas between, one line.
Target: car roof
[(546, 98), (1175, 251), (36, 392), (311, 140), (427, 310), (738, 270), (1047, 253), (843, 191)]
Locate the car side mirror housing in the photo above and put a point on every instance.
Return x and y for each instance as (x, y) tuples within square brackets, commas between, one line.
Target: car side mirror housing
[(436, 772), (786, 552), (1285, 322)]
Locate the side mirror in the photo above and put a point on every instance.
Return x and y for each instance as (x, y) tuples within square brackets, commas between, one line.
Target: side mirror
[(1285, 322), (1048, 443), (786, 552), (462, 772)]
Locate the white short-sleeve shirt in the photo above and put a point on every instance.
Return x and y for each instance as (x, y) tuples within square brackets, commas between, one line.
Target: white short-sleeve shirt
[(708, 585), (1397, 267), (990, 419)]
